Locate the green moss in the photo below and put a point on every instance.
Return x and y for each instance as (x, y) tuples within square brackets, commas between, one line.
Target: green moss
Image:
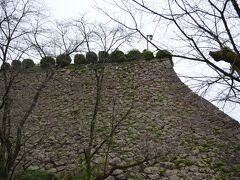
[(172, 158), (114, 142), (221, 146), (162, 171), (236, 147), (70, 176), (194, 140), (206, 145), (184, 142), (158, 134), (236, 168), (65, 99), (216, 131), (81, 158), (208, 161), (202, 144), (203, 150), (75, 110), (100, 129), (219, 166), (87, 83), (162, 115), (189, 109), (71, 67), (186, 162), (37, 175), (161, 97)]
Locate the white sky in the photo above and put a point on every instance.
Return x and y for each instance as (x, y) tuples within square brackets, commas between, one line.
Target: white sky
[(65, 9)]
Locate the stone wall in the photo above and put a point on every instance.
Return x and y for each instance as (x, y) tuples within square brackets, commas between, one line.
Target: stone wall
[(190, 137)]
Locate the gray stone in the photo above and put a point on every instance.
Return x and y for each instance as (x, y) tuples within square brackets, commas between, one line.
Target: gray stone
[(121, 177), (174, 177), (167, 165), (151, 170), (172, 173), (60, 168), (117, 172), (110, 178), (33, 168), (51, 138), (153, 127), (115, 161), (195, 151), (48, 166), (153, 176), (52, 170), (193, 168), (99, 160), (60, 163)]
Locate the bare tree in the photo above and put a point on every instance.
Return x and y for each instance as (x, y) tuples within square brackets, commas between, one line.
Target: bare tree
[(52, 38), (110, 38), (20, 39), (42, 36), (201, 31), (105, 144), (104, 38), (86, 29), (71, 36), (14, 33), (100, 36)]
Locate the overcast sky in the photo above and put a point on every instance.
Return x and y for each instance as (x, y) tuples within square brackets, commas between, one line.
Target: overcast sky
[(62, 9), (65, 9)]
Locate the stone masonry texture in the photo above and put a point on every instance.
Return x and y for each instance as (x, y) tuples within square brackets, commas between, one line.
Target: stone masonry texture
[(186, 135)]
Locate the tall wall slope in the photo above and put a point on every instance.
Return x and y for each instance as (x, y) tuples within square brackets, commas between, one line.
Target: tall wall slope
[(190, 137)]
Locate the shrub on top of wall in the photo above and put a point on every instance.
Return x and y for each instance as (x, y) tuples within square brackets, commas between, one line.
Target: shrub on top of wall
[(117, 56), (63, 60), (47, 62), (79, 59), (134, 55), (91, 57), (163, 54), (6, 66), (27, 63), (103, 56), (16, 65), (147, 55)]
